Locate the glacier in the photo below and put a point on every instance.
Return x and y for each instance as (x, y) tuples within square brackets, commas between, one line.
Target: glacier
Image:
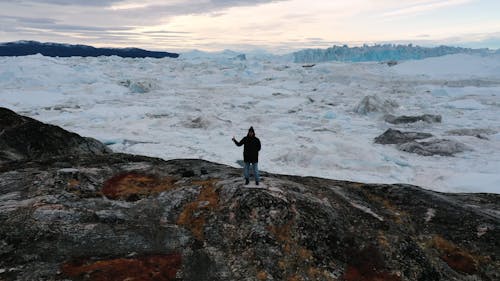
[(190, 107), (385, 52)]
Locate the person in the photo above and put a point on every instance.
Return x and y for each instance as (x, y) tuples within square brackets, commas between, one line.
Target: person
[(251, 150)]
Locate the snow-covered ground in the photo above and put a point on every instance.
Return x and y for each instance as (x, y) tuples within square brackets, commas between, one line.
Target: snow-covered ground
[(192, 106)]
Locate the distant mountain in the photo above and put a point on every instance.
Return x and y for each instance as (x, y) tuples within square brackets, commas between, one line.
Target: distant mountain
[(385, 52), (25, 48)]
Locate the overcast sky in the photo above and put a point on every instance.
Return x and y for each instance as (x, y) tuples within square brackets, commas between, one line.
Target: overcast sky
[(275, 25)]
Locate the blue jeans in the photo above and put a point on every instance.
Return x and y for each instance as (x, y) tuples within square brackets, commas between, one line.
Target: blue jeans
[(246, 171)]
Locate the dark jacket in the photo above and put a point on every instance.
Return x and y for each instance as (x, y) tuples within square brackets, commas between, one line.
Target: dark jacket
[(250, 149)]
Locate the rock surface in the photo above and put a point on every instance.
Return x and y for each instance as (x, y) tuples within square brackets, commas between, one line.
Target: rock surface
[(392, 136), (371, 104), (441, 147), (23, 138), (408, 142), (125, 217), (479, 133), (429, 118)]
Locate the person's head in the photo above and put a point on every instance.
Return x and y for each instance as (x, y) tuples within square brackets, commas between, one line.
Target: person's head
[(251, 132)]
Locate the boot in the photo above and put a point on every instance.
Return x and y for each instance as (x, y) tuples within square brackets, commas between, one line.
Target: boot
[(256, 183), (247, 181)]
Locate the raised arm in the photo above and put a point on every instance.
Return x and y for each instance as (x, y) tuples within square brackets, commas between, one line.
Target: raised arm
[(239, 143)]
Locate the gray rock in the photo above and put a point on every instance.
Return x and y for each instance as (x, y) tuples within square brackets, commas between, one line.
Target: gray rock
[(441, 147), (241, 57), (138, 87), (371, 104), (429, 118), (392, 63), (197, 123), (23, 138), (479, 133), (392, 136)]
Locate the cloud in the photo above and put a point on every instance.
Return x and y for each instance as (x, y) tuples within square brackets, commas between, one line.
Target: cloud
[(49, 29), (467, 40), (213, 24), (424, 6), (154, 9), (99, 3), (88, 15), (135, 4), (49, 24)]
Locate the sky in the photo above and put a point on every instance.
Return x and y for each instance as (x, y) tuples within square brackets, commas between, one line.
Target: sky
[(272, 25)]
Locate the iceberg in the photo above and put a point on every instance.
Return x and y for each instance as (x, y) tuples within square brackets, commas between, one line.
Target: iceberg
[(386, 52)]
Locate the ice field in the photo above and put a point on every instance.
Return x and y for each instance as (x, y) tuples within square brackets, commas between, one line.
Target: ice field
[(191, 107)]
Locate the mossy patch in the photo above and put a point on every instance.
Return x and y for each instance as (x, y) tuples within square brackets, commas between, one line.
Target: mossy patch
[(456, 258), (134, 186), (298, 262), (262, 275), (153, 267), (367, 264), (194, 214), (73, 183), (397, 214)]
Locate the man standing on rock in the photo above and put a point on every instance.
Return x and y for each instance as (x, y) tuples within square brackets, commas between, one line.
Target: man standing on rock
[(251, 150)]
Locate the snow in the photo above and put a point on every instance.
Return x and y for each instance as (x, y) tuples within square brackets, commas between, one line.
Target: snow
[(191, 107), (453, 66), (467, 104)]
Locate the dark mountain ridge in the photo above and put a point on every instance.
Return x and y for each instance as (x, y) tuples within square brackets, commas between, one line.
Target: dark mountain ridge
[(25, 48)]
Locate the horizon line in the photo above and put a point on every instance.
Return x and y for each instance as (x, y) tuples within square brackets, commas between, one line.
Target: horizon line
[(261, 48)]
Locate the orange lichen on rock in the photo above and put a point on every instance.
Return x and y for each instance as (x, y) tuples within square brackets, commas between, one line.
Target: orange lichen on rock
[(262, 275), (456, 258), (154, 267), (294, 278), (73, 183), (298, 260), (356, 184), (397, 214), (282, 232), (382, 240), (314, 273), (133, 186), (193, 216)]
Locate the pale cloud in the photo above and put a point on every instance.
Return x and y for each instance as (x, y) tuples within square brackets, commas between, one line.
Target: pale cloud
[(418, 7), (220, 24), (100, 3)]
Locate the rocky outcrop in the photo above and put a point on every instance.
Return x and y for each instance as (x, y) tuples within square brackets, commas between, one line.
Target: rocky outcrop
[(23, 138), (371, 104), (392, 136), (408, 142), (428, 118), (392, 63), (125, 217), (441, 147), (138, 87), (479, 133)]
